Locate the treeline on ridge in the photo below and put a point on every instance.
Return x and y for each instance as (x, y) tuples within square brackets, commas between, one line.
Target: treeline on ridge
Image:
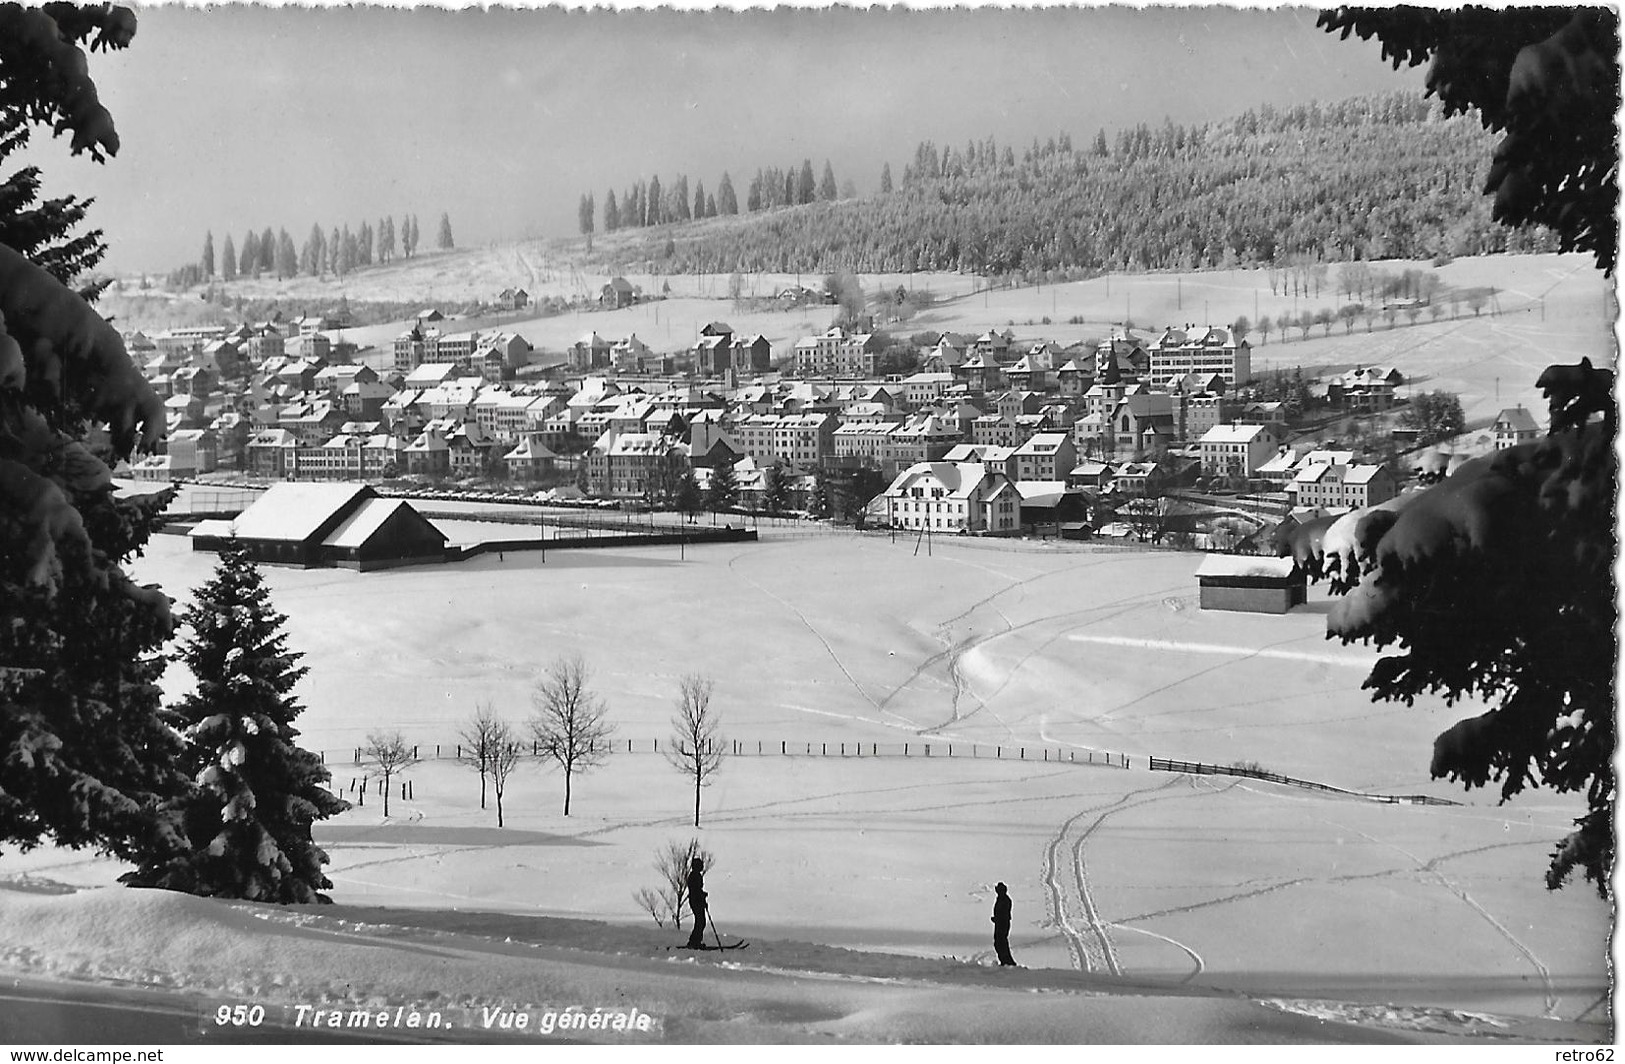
[(1372, 177)]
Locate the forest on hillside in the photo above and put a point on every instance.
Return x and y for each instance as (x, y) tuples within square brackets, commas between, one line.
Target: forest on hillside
[(1372, 177)]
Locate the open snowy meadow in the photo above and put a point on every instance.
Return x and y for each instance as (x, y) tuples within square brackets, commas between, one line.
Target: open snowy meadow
[(1186, 899)]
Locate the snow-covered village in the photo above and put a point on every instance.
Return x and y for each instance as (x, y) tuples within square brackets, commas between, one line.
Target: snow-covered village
[(1152, 585)]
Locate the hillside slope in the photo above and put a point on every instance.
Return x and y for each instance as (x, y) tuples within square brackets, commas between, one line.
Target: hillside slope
[(1377, 177)]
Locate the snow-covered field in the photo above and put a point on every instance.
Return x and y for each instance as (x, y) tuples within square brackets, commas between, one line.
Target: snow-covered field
[(1186, 899)]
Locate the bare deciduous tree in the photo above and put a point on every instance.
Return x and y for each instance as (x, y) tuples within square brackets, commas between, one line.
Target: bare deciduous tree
[(696, 744), (506, 755), (479, 743), (669, 900), (393, 756), (569, 724)]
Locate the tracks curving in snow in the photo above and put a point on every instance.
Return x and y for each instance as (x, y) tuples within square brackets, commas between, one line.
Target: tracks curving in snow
[(1429, 868), (1090, 947)]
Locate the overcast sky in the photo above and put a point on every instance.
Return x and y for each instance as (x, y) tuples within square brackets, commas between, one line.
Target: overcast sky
[(244, 117)]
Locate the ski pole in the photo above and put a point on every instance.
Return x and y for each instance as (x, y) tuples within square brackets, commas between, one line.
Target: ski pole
[(714, 932)]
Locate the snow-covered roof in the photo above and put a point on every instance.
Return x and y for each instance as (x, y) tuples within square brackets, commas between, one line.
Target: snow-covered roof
[(368, 518), (294, 511), (1041, 492), (1233, 433), (1042, 443), (1516, 419), (987, 453), (1361, 474), (214, 529), (1245, 565)]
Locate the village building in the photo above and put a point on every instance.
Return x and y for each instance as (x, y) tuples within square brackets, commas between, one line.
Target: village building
[(1236, 450), (1513, 426), (1214, 349), (1046, 456), (618, 293), (310, 525), (946, 497), (530, 459), (1330, 486), (837, 353)]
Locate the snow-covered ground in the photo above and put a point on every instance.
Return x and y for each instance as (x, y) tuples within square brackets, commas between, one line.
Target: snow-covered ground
[(1147, 886)]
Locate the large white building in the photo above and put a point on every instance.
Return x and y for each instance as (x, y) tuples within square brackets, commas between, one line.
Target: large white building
[(1236, 450), (837, 353), (1205, 350), (951, 497)]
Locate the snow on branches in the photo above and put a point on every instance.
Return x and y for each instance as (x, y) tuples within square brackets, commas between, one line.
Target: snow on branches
[(46, 75), (72, 358), (1496, 586)]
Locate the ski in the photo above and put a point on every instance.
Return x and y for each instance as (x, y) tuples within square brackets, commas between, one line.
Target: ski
[(741, 944)]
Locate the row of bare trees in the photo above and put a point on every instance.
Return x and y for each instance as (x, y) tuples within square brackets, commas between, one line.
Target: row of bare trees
[(568, 726)]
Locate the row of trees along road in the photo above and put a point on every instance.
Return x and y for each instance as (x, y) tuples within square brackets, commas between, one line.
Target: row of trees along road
[(338, 253)]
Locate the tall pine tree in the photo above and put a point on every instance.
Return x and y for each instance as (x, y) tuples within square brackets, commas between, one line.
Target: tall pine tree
[(723, 491), (86, 754), (256, 793)]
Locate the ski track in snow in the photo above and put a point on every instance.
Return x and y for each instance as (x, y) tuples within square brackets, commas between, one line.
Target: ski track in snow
[(1428, 867), (1196, 958), (953, 651), (733, 568), (1093, 950), (1095, 615), (1550, 992)]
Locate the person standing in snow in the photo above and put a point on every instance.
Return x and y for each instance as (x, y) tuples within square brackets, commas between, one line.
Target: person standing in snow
[(696, 902), (1001, 926)]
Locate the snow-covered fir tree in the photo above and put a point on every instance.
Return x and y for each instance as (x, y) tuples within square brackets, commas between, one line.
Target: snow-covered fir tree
[(256, 792), (86, 758)]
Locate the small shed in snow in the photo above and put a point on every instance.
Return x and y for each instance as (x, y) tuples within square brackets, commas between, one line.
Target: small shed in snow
[(1250, 584)]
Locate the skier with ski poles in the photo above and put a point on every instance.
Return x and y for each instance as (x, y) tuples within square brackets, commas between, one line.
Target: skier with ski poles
[(696, 903)]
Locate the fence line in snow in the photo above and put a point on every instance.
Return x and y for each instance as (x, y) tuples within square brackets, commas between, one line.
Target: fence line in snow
[(1043, 754), (1197, 768), (788, 748)]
